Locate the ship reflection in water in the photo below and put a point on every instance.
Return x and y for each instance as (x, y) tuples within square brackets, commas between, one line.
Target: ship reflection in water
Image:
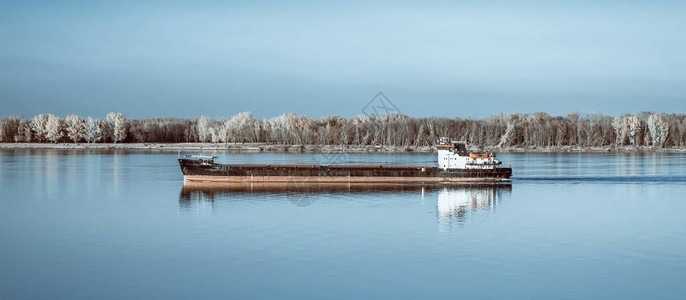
[(456, 205), (455, 202), (195, 191)]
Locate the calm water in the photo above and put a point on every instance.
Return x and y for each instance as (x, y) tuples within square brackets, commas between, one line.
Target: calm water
[(96, 224)]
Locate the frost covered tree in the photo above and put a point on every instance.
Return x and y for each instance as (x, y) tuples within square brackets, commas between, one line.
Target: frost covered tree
[(53, 130), (116, 127), (561, 134), (278, 128), (240, 128), (508, 135), (92, 131), (659, 129), (203, 126), (215, 136), (120, 129), (521, 130), (190, 133), (75, 127), (24, 132), (634, 127), (106, 130), (620, 129), (39, 126), (225, 131), (245, 126), (506, 138)]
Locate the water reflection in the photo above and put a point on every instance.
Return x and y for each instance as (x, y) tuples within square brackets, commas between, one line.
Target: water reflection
[(299, 194), (455, 202), (455, 205)]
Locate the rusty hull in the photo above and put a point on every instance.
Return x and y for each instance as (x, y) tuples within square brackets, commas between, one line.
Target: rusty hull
[(203, 171)]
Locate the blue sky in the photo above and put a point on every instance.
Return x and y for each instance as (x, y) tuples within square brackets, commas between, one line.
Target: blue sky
[(451, 58)]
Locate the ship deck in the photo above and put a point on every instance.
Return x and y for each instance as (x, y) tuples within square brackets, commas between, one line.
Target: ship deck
[(202, 171)]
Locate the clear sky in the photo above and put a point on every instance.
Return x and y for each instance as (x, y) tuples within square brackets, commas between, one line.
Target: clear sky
[(442, 58)]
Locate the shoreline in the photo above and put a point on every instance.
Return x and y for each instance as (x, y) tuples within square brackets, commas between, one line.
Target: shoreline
[(262, 147)]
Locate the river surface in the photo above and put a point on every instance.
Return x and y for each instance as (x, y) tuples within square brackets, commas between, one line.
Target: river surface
[(80, 224)]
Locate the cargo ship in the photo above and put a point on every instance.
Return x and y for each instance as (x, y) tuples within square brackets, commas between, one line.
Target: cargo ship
[(455, 164)]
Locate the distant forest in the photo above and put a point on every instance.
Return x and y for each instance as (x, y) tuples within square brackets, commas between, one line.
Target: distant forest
[(504, 130)]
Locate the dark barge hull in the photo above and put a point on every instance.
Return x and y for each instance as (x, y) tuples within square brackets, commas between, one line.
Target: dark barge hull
[(202, 171)]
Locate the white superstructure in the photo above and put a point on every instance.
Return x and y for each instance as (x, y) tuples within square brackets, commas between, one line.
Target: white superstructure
[(454, 155)]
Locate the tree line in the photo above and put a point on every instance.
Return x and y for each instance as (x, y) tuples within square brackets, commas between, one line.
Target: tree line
[(503, 130)]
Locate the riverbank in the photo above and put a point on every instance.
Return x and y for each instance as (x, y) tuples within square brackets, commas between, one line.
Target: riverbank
[(260, 147)]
